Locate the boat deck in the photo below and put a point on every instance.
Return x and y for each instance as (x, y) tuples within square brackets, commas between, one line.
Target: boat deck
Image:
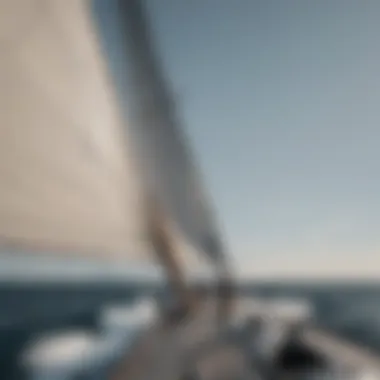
[(198, 349)]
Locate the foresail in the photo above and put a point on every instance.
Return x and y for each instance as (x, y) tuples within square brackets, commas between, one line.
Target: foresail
[(67, 181), (165, 159)]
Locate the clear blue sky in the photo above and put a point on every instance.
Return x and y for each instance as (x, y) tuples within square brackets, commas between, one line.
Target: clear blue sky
[(281, 101)]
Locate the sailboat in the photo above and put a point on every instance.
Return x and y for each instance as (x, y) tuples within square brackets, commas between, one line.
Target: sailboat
[(82, 178)]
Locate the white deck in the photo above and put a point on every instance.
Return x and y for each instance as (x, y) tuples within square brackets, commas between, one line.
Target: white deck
[(197, 345)]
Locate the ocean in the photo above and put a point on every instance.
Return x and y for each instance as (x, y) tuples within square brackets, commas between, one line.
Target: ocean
[(351, 310)]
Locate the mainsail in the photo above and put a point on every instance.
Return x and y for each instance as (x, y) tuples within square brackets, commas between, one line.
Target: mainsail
[(67, 180), (75, 177)]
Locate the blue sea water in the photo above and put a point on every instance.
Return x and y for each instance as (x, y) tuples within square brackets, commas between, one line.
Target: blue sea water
[(351, 310), (348, 309)]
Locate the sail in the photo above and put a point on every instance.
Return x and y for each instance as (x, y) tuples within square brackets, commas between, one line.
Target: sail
[(165, 160), (67, 178)]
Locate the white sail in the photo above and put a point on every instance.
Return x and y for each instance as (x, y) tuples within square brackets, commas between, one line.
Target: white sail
[(74, 175), (67, 181)]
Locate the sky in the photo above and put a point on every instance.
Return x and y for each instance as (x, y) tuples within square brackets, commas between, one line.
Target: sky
[(280, 100), (281, 103)]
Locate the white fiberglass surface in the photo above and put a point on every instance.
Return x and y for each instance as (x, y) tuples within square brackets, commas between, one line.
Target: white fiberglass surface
[(65, 354)]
